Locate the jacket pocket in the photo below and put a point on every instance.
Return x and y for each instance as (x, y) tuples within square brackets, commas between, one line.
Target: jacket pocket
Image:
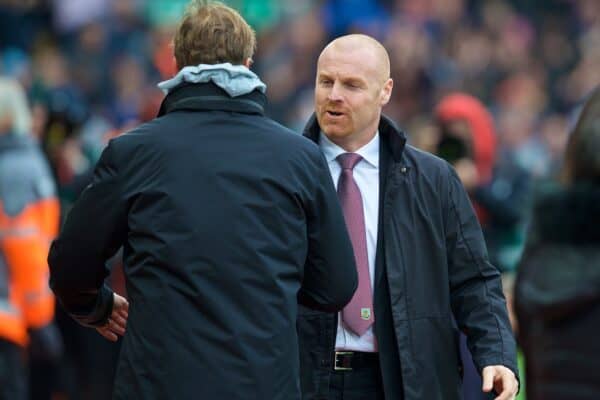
[(437, 358)]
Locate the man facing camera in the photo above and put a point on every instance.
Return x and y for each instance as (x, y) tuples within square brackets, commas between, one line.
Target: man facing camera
[(420, 254)]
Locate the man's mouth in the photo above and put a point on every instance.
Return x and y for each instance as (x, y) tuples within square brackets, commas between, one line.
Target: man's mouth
[(334, 113)]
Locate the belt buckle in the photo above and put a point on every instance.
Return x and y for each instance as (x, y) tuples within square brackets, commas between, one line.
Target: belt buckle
[(336, 361)]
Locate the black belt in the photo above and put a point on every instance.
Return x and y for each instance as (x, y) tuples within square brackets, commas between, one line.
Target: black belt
[(349, 360)]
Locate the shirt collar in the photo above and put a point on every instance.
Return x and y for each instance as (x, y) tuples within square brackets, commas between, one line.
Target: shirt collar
[(369, 152)]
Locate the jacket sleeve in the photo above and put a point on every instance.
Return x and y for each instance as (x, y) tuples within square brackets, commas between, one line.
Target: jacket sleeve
[(476, 293), (330, 277), (93, 231)]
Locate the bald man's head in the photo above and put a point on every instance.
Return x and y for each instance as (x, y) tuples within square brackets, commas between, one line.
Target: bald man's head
[(353, 84), (374, 52)]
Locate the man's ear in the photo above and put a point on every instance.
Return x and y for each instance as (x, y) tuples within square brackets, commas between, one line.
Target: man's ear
[(386, 91), (248, 63)]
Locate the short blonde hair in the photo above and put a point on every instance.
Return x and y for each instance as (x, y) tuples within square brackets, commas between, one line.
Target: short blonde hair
[(213, 33)]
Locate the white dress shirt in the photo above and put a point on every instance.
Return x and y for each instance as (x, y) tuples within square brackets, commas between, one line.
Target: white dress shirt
[(366, 176)]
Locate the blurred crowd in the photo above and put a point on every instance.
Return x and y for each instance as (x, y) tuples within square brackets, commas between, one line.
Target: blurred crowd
[(90, 69)]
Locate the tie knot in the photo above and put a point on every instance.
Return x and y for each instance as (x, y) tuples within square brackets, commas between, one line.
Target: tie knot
[(348, 160)]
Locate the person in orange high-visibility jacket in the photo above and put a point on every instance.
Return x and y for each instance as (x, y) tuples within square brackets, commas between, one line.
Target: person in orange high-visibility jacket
[(29, 219)]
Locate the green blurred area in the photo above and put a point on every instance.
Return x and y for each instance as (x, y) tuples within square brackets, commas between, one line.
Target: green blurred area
[(260, 14), (521, 364)]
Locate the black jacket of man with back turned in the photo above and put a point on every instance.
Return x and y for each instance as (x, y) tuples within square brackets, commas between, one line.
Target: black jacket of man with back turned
[(226, 218)]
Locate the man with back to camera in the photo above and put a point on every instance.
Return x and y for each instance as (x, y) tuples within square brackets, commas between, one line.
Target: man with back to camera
[(226, 219), (420, 254)]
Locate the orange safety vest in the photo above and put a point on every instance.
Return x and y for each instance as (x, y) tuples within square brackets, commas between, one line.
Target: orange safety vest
[(25, 297)]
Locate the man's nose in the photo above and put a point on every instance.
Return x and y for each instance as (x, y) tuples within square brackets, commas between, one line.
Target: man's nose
[(335, 94)]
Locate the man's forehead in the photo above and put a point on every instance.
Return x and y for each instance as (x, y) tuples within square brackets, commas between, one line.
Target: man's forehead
[(356, 63), (343, 50)]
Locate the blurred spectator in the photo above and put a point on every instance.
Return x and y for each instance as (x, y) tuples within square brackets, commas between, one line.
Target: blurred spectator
[(498, 187), (21, 21), (557, 295), (498, 191), (29, 216), (71, 15)]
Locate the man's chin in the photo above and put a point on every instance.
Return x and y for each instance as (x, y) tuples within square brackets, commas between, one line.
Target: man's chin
[(334, 131)]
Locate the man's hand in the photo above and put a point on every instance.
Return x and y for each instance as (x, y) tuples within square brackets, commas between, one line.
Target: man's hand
[(117, 321), (502, 380)]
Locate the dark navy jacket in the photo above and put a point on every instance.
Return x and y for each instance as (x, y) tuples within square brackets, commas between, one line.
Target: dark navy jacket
[(431, 269), (557, 294), (226, 218)]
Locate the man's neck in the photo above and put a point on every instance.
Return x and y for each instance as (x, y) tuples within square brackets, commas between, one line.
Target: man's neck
[(351, 145)]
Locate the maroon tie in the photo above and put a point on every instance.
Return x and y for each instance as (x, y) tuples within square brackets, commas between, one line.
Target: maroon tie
[(358, 314)]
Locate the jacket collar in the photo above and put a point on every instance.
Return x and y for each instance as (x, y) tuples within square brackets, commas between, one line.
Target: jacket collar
[(209, 97), (388, 132)]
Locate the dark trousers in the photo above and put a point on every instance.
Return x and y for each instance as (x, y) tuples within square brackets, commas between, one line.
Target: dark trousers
[(13, 375), (363, 382)]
